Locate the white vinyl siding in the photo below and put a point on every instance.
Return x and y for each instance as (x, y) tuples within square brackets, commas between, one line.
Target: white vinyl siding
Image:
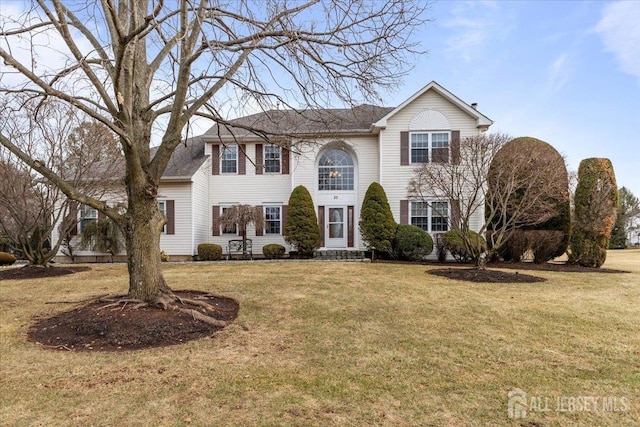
[(393, 176)]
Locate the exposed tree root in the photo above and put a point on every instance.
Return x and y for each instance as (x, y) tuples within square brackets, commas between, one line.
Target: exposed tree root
[(167, 301)]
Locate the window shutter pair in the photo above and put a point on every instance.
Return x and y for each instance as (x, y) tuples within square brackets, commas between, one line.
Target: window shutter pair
[(405, 150), (215, 159), (215, 223), (284, 158)]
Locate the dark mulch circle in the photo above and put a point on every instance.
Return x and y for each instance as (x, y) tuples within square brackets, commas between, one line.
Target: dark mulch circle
[(485, 276), (554, 266), (36, 272), (95, 327)]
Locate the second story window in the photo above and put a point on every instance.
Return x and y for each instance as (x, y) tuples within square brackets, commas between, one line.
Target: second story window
[(430, 147), (272, 159), (229, 159), (335, 171)]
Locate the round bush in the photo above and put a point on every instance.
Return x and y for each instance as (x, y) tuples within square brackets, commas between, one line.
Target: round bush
[(543, 205), (454, 243), (6, 259), (412, 243), (209, 252), (273, 251)]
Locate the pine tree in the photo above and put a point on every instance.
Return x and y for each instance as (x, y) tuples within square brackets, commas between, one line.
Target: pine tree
[(377, 225)]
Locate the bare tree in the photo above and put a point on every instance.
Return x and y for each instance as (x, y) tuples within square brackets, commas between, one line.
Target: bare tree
[(484, 193), (136, 64), (31, 208)]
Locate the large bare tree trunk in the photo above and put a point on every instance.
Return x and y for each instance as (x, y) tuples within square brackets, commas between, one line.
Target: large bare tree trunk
[(142, 236)]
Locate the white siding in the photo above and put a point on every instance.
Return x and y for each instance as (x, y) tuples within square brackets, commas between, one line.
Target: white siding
[(201, 212), (179, 243), (394, 177), (249, 189)]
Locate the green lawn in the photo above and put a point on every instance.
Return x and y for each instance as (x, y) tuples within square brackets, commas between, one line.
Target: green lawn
[(359, 344)]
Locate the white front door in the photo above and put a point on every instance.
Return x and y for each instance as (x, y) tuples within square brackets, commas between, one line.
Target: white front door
[(335, 227)]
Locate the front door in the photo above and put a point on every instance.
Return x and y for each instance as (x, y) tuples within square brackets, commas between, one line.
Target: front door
[(335, 227)]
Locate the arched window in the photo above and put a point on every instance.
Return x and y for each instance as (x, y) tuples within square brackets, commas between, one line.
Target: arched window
[(335, 170)]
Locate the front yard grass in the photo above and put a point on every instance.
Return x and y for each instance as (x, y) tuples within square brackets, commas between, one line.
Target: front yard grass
[(327, 343)]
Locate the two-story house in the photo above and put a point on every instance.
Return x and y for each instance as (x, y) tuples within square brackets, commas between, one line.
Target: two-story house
[(335, 153)]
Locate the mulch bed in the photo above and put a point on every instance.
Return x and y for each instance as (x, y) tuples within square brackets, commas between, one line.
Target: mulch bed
[(553, 266), (33, 272), (485, 276), (95, 327)]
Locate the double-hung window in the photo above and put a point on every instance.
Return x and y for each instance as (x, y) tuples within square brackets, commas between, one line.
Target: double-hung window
[(87, 216), (272, 159), (229, 159), (430, 147), (272, 219), (432, 217)]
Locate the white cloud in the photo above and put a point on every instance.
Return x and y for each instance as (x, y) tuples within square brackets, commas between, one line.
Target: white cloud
[(619, 28), (559, 72)]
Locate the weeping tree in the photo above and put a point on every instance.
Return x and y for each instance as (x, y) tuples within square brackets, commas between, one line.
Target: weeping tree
[(241, 216), (145, 66)]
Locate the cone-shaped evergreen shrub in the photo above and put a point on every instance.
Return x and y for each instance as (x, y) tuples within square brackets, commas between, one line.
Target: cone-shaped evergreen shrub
[(377, 225), (596, 204), (301, 229)]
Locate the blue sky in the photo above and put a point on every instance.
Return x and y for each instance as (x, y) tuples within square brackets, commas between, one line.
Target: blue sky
[(566, 72)]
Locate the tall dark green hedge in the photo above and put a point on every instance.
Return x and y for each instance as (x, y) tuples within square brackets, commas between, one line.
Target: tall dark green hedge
[(301, 229), (377, 225), (554, 232), (596, 204)]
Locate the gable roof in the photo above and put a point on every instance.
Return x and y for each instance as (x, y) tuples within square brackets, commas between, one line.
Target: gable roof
[(481, 120), (305, 122)]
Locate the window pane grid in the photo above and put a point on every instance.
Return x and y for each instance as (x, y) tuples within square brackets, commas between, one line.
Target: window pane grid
[(428, 146), (272, 220), (336, 171), (228, 160), (432, 217), (272, 159)]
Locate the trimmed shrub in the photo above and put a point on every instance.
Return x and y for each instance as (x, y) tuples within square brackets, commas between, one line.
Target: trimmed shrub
[(164, 257), (377, 226), (301, 229), (544, 244), (6, 259), (209, 252), (453, 242), (273, 251), (549, 208), (411, 243), (596, 204)]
